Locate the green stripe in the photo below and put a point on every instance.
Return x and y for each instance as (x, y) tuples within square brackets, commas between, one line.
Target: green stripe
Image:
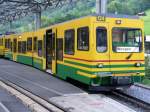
[(9, 55), (113, 72), (38, 65), (64, 71), (24, 59), (80, 64), (129, 71), (105, 66)]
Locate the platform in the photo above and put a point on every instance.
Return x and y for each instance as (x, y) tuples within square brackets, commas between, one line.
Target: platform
[(36, 81), (9, 103), (57, 91)]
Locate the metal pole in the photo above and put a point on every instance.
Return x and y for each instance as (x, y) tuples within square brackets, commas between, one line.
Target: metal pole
[(37, 20), (101, 6), (10, 26)]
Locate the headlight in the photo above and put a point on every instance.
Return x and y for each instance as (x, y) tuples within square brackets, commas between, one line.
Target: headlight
[(138, 64), (100, 65)]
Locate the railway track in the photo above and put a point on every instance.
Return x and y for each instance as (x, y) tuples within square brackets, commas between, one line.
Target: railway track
[(133, 96), (133, 100), (34, 102)]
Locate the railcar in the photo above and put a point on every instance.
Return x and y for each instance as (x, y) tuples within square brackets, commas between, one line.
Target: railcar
[(1, 46), (101, 51)]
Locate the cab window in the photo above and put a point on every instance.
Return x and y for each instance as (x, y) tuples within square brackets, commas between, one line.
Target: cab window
[(83, 39), (101, 39), (127, 39)]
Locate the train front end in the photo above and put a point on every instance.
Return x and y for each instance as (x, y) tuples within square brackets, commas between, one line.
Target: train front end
[(119, 52)]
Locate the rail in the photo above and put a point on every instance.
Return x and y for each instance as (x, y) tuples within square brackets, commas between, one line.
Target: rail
[(33, 101), (138, 94)]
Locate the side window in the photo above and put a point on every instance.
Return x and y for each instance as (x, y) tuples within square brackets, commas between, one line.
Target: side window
[(83, 39), (5, 43), (40, 48), (11, 46), (44, 42), (101, 39), (59, 49), (35, 44), (24, 46), (15, 45), (19, 47), (29, 44), (9, 42), (2, 41), (69, 42)]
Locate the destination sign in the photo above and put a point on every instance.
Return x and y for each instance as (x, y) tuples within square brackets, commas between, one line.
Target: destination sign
[(127, 49)]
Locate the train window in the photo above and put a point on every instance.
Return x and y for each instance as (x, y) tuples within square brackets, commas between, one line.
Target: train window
[(24, 46), (101, 39), (59, 49), (127, 40), (2, 41), (11, 46), (29, 44), (69, 41), (8, 44), (44, 45), (40, 48), (35, 44), (5, 43), (83, 38), (19, 47), (15, 45)]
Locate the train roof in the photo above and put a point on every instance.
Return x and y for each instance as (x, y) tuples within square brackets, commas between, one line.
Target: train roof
[(122, 16), (117, 16)]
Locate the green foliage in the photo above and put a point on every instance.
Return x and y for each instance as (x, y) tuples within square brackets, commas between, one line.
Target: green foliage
[(147, 66), (146, 80), (147, 22), (78, 9)]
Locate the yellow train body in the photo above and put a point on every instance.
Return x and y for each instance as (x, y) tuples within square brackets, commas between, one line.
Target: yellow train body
[(85, 61)]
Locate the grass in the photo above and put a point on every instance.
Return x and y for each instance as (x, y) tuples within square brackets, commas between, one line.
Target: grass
[(147, 22), (146, 80), (146, 19)]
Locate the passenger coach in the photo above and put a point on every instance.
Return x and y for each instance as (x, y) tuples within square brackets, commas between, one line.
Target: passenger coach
[(100, 51)]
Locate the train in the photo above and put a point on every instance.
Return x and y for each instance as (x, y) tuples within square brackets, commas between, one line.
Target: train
[(100, 51)]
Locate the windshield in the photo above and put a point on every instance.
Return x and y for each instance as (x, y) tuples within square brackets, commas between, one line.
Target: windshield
[(127, 40)]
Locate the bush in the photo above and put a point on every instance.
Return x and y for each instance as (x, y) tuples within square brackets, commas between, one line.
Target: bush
[(147, 66)]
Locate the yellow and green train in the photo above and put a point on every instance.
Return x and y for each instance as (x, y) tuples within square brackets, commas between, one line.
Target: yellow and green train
[(99, 51)]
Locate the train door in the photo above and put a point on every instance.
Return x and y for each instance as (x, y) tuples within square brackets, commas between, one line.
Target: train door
[(14, 48), (51, 51), (102, 46)]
